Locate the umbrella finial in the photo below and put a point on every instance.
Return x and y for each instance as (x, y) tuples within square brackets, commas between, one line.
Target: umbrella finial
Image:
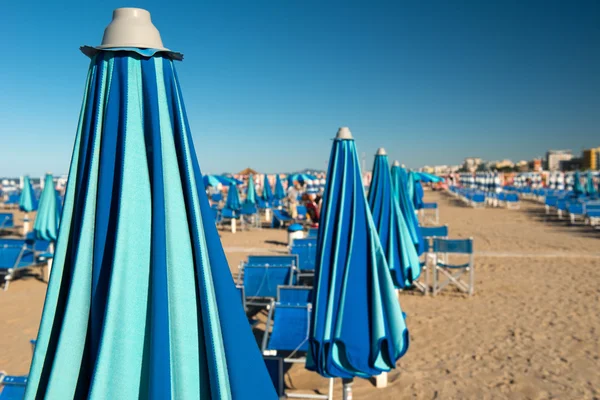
[(381, 152), (131, 27), (344, 133), (396, 163)]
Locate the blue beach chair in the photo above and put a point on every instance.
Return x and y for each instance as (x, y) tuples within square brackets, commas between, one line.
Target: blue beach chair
[(294, 294), (430, 213), (260, 282), (13, 260), (306, 250), (280, 218), (287, 332), (6, 221), (453, 273)]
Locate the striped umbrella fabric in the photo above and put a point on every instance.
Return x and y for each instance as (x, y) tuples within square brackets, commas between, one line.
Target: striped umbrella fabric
[(400, 184), (250, 192), (279, 190), (267, 194), (357, 326), (27, 202), (590, 187), (396, 241), (48, 215), (233, 198), (141, 303)]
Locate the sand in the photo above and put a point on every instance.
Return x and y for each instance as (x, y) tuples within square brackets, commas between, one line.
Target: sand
[(531, 331)]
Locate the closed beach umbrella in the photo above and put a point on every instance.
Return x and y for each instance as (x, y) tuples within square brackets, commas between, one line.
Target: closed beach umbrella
[(48, 215), (396, 241), (357, 326), (233, 198), (267, 194), (577, 186), (141, 303), (417, 191), (279, 190), (400, 184), (27, 202), (250, 192), (590, 187)]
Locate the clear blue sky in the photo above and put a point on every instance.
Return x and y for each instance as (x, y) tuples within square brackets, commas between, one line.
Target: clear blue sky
[(267, 83)]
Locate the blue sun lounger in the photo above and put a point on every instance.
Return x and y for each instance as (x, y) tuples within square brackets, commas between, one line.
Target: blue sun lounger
[(280, 218), (13, 387)]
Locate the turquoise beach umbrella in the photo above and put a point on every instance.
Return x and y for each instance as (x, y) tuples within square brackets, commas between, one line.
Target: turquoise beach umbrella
[(400, 184), (48, 215), (578, 189), (396, 241), (250, 192), (141, 303), (28, 202), (590, 187)]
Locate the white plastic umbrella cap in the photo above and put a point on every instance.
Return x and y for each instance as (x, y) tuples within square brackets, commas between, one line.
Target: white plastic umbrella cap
[(131, 27), (344, 133), (396, 163), (381, 152)]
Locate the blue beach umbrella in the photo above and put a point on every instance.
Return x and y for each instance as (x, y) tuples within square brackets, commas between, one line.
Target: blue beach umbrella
[(590, 188), (400, 184), (415, 190), (267, 194), (357, 326), (210, 180), (395, 237), (233, 198), (429, 178), (250, 192), (141, 303), (578, 189), (48, 215), (279, 190)]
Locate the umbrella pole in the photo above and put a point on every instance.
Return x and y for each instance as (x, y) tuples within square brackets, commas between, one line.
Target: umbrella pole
[(233, 223), (26, 224), (48, 268), (347, 394), (267, 215)]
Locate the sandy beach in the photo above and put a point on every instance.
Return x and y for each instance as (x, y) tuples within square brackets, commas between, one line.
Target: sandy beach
[(531, 331)]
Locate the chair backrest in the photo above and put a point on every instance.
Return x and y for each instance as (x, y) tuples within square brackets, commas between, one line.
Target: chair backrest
[(551, 200), (430, 205), (288, 260), (512, 198), (313, 233), (262, 281), (592, 206), (15, 256), (248, 209), (435, 231), (282, 215), (464, 246), (478, 198), (575, 208), (301, 210), (290, 327), (6, 220), (306, 250), (217, 197), (294, 294), (13, 387)]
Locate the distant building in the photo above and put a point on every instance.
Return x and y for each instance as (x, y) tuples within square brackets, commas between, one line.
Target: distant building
[(536, 165), (554, 158), (522, 166), (591, 159), (503, 164), (471, 163), (573, 164)]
